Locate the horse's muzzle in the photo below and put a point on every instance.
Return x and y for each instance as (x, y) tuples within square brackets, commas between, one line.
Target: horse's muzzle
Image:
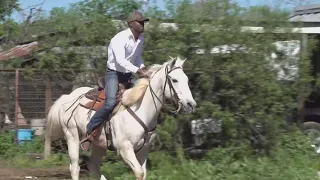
[(189, 106)]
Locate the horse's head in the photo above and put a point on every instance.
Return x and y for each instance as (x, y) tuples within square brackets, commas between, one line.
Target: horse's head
[(177, 85)]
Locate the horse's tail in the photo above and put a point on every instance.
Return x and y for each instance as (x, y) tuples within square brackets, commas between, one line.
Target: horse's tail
[(53, 125)]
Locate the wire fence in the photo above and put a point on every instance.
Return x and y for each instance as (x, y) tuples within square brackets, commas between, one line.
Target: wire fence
[(26, 95), (7, 97)]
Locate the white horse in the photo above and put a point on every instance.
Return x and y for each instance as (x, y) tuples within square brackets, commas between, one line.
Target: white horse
[(131, 136)]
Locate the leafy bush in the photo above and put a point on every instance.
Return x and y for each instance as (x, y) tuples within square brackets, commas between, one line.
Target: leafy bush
[(292, 158), (9, 148)]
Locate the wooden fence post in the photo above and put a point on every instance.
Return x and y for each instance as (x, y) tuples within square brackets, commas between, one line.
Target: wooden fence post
[(16, 104), (48, 95), (302, 98)]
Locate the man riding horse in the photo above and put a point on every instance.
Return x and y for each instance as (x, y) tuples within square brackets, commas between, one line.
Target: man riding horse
[(124, 58)]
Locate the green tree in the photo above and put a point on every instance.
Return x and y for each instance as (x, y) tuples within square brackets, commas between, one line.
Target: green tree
[(231, 73), (7, 7), (8, 28), (235, 74), (241, 80)]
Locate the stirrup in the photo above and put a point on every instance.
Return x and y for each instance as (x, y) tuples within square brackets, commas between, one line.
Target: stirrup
[(85, 143)]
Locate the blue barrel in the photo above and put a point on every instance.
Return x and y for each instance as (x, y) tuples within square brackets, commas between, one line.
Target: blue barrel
[(25, 135)]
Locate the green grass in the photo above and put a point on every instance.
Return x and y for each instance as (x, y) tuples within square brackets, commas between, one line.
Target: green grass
[(291, 159)]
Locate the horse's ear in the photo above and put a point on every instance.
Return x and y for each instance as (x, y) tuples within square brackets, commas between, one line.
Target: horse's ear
[(173, 62), (180, 62)]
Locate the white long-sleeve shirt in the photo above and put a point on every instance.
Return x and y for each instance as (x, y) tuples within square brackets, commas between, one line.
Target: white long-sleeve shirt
[(124, 53)]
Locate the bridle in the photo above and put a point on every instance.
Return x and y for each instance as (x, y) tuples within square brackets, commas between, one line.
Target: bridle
[(153, 94), (172, 90)]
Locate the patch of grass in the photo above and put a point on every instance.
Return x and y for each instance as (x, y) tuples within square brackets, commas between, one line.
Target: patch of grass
[(292, 159)]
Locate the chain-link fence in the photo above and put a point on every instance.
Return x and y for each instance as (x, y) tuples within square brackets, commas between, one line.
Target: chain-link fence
[(7, 97), (28, 94)]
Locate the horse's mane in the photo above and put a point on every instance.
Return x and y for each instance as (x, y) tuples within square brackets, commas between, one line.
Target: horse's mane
[(136, 93)]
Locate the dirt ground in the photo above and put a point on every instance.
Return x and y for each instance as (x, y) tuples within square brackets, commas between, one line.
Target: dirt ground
[(35, 173)]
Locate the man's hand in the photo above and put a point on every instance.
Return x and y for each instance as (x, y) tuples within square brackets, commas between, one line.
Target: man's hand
[(142, 73)]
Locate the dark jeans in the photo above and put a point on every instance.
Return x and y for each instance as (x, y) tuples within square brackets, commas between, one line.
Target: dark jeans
[(112, 80)]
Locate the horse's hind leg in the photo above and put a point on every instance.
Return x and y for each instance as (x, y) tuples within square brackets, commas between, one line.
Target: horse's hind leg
[(73, 150), (95, 161), (128, 155)]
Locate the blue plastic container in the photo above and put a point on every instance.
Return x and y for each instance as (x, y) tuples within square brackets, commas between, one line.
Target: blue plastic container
[(24, 135)]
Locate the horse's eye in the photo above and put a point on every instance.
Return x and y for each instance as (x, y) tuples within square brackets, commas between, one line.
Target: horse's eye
[(174, 80)]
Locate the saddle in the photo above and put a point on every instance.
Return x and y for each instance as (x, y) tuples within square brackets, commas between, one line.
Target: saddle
[(97, 98)]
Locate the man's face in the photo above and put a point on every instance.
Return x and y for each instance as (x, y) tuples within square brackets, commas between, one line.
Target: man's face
[(138, 26)]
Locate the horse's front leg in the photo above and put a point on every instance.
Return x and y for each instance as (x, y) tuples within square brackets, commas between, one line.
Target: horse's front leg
[(128, 155), (142, 157)]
